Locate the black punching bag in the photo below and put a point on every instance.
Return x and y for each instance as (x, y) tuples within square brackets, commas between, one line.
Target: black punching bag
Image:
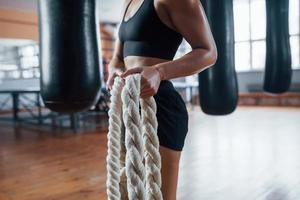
[(278, 72), (69, 54), (218, 87)]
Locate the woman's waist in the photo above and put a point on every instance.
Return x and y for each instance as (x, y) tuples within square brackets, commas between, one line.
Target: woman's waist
[(137, 61)]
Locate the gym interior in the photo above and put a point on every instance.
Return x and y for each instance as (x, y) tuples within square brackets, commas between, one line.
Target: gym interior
[(243, 141)]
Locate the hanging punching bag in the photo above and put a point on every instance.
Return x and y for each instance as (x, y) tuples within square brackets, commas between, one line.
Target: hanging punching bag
[(278, 72), (69, 54), (218, 87)]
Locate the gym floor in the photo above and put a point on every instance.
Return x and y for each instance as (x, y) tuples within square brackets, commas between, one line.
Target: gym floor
[(253, 153)]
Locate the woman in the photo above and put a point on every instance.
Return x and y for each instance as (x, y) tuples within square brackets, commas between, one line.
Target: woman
[(149, 35)]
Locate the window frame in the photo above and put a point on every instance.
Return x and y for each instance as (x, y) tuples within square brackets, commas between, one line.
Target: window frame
[(250, 41), (20, 69)]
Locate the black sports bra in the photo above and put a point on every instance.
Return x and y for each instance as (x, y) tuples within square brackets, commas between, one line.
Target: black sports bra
[(144, 34)]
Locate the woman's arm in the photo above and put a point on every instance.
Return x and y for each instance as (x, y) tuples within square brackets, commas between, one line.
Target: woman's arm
[(117, 62), (116, 66), (189, 19)]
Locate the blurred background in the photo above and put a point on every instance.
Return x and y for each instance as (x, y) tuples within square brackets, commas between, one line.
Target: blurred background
[(251, 154)]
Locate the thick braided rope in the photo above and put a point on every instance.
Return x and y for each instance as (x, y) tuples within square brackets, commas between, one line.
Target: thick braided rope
[(123, 180), (114, 142), (142, 182), (135, 169), (152, 155)]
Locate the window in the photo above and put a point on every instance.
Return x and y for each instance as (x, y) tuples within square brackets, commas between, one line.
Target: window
[(250, 34), (183, 49), (9, 62), (29, 61), (20, 62), (294, 32)]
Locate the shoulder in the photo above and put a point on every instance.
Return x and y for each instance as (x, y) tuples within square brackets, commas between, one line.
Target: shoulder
[(179, 4), (124, 6), (126, 2)]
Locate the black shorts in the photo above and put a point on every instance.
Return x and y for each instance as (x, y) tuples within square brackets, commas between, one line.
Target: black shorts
[(172, 116)]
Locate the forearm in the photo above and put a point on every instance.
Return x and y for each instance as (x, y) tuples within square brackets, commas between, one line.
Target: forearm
[(116, 64), (191, 63)]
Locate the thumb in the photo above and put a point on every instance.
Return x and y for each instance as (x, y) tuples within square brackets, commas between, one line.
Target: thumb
[(118, 73), (131, 71)]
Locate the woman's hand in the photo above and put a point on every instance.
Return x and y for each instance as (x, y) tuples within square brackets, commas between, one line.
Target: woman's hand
[(150, 79), (111, 77)]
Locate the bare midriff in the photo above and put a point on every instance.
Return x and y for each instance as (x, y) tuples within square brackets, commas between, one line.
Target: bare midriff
[(139, 61)]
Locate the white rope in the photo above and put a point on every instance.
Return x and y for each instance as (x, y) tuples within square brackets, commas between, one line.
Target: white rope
[(141, 173), (114, 144), (151, 142)]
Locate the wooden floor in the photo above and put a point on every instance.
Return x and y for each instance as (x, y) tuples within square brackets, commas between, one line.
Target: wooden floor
[(253, 154)]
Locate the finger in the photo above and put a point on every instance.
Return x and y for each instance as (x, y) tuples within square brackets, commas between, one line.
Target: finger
[(106, 87), (131, 71), (146, 90), (144, 83), (110, 87), (147, 93), (111, 80), (110, 83), (118, 73)]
